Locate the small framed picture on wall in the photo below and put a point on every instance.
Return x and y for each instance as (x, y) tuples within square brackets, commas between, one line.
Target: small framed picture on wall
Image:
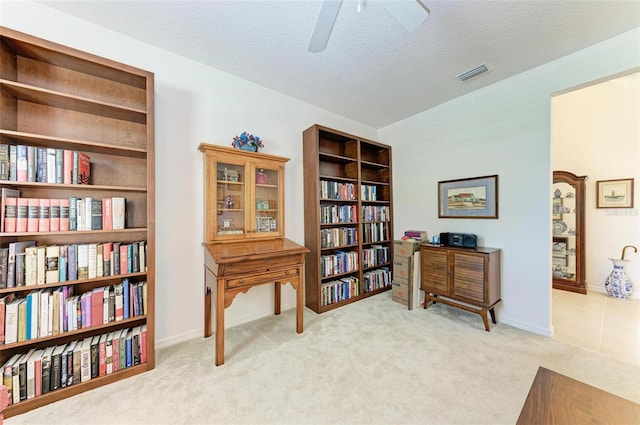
[(615, 193)]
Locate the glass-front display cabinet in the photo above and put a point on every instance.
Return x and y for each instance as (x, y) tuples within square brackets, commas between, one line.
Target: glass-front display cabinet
[(244, 197), (568, 247)]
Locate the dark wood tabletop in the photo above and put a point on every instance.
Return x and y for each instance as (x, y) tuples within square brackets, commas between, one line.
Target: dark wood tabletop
[(558, 399)]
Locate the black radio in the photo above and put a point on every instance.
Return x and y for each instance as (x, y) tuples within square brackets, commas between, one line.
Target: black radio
[(464, 240)]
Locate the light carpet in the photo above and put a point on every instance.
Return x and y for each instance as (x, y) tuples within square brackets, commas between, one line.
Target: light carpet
[(371, 362)]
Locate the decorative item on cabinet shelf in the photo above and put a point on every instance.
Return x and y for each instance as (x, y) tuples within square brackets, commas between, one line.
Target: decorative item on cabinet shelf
[(618, 284), (248, 142), (261, 177)]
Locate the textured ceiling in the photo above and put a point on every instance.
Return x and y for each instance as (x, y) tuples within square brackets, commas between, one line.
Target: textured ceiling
[(372, 71)]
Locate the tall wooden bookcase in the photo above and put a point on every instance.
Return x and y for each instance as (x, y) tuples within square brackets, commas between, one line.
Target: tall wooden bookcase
[(52, 96), (348, 218)]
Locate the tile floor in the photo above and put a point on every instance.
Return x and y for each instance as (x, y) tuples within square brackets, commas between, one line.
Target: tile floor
[(598, 323)]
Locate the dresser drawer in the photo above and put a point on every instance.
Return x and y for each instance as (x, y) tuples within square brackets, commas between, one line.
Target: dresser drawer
[(266, 277)]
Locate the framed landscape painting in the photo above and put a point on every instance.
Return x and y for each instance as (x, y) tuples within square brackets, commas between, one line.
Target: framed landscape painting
[(615, 193), (468, 198)]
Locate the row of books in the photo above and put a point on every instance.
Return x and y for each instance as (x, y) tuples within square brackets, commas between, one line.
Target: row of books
[(25, 264), (376, 232), (59, 215), (338, 236), (368, 192), (330, 214), (376, 213), (339, 262), (22, 163), (40, 371), (53, 311), (339, 290), (330, 189), (376, 279), (376, 255)]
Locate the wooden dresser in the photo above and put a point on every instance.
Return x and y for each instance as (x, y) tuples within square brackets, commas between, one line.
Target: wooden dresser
[(466, 278)]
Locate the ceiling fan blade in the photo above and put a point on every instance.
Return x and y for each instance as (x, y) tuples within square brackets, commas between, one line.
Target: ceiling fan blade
[(324, 25), (410, 13)]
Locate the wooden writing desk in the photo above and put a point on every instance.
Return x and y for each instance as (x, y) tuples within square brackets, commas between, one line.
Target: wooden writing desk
[(558, 399), (239, 266)]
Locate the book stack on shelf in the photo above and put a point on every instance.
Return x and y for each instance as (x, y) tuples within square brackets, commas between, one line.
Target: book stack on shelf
[(348, 213), (22, 215), (77, 213)]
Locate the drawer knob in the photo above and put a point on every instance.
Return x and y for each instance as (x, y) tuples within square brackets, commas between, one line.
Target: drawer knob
[(287, 272), (241, 280)]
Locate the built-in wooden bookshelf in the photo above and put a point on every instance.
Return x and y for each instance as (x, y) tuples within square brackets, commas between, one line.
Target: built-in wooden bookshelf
[(56, 97), (348, 218)]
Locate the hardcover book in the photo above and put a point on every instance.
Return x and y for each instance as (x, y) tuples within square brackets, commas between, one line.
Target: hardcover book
[(64, 215), (4, 264), (73, 213), (41, 265), (13, 160), (51, 165), (6, 194), (15, 249), (95, 363), (4, 162), (7, 376), (54, 215), (11, 321), (85, 360), (72, 262), (43, 225), (107, 218), (63, 263), (21, 163), (52, 274), (118, 212), (96, 214), (59, 166), (10, 208), (31, 266), (56, 367), (32, 165), (33, 215), (67, 166), (21, 215), (84, 168), (46, 369), (83, 261)]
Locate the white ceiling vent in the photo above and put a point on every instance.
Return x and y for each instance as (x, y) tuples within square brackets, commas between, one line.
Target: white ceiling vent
[(466, 76)]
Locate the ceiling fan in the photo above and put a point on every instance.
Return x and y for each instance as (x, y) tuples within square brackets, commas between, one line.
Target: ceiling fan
[(410, 13)]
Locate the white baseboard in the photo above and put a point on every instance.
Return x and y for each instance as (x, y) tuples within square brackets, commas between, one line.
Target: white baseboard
[(527, 327), (198, 333)]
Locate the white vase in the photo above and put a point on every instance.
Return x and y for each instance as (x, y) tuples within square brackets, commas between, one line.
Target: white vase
[(618, 284)]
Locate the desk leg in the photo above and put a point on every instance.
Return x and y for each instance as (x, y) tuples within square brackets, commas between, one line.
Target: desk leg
[(207, 313), (220, 322), (278, 298), (299, 304)]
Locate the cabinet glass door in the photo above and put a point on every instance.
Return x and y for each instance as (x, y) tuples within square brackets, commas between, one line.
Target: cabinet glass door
[(268, 211), (231, 211), (568, 246)]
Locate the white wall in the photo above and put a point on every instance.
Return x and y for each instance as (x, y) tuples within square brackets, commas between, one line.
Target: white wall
[(501, 129), (596, 132), (194, 104)]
